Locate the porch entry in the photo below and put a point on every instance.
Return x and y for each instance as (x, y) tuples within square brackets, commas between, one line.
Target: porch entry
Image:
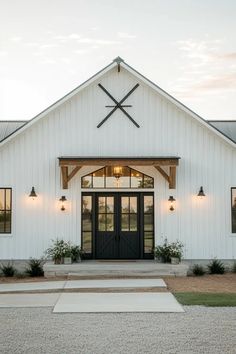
[(118, 225)]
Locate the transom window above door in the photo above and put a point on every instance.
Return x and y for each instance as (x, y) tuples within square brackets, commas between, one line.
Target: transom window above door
[(117, 177)]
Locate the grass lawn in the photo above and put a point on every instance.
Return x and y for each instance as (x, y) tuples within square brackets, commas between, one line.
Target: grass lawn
[(206, 299)]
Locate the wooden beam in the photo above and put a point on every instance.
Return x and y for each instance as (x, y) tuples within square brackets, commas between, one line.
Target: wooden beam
[(172, 183), (163, 173), (64, 174), (120, 161), (73, 172)]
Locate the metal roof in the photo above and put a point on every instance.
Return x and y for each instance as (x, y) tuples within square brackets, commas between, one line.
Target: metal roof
[(226, 127), (7, 127)]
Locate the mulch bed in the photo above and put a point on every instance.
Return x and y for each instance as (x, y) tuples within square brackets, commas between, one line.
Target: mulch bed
[(225, 283)]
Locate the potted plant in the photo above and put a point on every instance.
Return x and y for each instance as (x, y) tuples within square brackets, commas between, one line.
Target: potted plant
[(169, 252), (68, 255), (58, 251), (162, 253), (76, 253), (176, 252)]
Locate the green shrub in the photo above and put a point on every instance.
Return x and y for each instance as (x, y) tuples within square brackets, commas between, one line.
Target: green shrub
[(234, 267), (76, 253), (198, 270), (216, 267), (35, 268), (21, 275), (8, 270)]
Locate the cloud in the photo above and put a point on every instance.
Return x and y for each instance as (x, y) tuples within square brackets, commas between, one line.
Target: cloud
[(125, 35), (48, 61), (3, 53), (16, 39), (206, 68), (227, 81), (227, 56), (45, 46), (74, 36), (80, 51)]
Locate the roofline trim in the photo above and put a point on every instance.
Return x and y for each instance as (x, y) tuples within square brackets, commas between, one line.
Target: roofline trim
[(58, 102), (179, 104)]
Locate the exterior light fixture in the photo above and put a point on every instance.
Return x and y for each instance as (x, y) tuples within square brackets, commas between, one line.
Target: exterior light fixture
[(117, 172), (63, 200), (201, 193), (171, 200), (33, 193)]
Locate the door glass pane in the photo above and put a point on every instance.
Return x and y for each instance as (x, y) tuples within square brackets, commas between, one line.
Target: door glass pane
[(2, 199), (87, 204), (102, 204), (110, 222), (148, 222), (125, 204), (87, 222), (133, 222), (110, 204), (125, 222), (148, 204), (148, 242), (102, 222), (87, 242), (133, 205)]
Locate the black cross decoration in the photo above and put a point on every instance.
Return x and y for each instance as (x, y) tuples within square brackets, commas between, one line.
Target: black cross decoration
[(118, 105)]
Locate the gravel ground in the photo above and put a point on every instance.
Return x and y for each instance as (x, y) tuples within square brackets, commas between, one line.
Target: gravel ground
[(38, 330)]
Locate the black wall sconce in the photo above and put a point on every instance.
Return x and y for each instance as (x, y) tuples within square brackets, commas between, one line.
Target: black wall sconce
[(201, 193), (33, 193), (63, 200), (171, 200)]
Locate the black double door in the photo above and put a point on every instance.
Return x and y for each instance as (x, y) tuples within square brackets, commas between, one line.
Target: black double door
[(117, 226)]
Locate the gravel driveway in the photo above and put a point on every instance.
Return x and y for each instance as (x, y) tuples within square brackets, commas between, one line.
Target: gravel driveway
[(38, 330)]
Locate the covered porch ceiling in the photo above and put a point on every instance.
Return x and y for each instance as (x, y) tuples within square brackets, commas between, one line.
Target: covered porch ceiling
[(158, 162)]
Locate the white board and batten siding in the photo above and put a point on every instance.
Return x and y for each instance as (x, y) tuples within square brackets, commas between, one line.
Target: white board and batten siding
[(70, 129)]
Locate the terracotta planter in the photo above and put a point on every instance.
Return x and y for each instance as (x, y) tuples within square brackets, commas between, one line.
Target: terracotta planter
[(58, 261)]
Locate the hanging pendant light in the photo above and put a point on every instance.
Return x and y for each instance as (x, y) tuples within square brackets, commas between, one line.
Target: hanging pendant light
[(201, 193), (33, 193)]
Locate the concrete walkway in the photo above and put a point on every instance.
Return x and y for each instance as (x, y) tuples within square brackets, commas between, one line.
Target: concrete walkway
[(117, 302), (82, 284), (95, 301)]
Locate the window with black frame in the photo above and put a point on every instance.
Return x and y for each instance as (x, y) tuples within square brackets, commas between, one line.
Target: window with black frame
[(233, 209), (5, 210)]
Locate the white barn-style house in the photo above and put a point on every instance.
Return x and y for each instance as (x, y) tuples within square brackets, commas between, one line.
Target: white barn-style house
[(117, 166)]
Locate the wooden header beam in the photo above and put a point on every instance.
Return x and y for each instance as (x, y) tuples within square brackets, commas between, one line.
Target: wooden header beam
[(120, 161)]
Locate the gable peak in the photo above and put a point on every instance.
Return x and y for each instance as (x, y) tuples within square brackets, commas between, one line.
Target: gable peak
[(118, 60)]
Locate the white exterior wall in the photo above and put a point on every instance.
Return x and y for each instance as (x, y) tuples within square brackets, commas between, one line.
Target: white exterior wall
[(30, 159)]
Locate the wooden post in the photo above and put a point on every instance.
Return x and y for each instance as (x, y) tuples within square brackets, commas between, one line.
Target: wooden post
[(172, 183), (64, 175)]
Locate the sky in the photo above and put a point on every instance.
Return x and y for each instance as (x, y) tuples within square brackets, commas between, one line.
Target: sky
[(49, 47)]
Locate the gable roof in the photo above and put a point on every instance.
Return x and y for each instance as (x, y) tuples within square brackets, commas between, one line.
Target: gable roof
[(7, 127), (226, 127), (120, 62)]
